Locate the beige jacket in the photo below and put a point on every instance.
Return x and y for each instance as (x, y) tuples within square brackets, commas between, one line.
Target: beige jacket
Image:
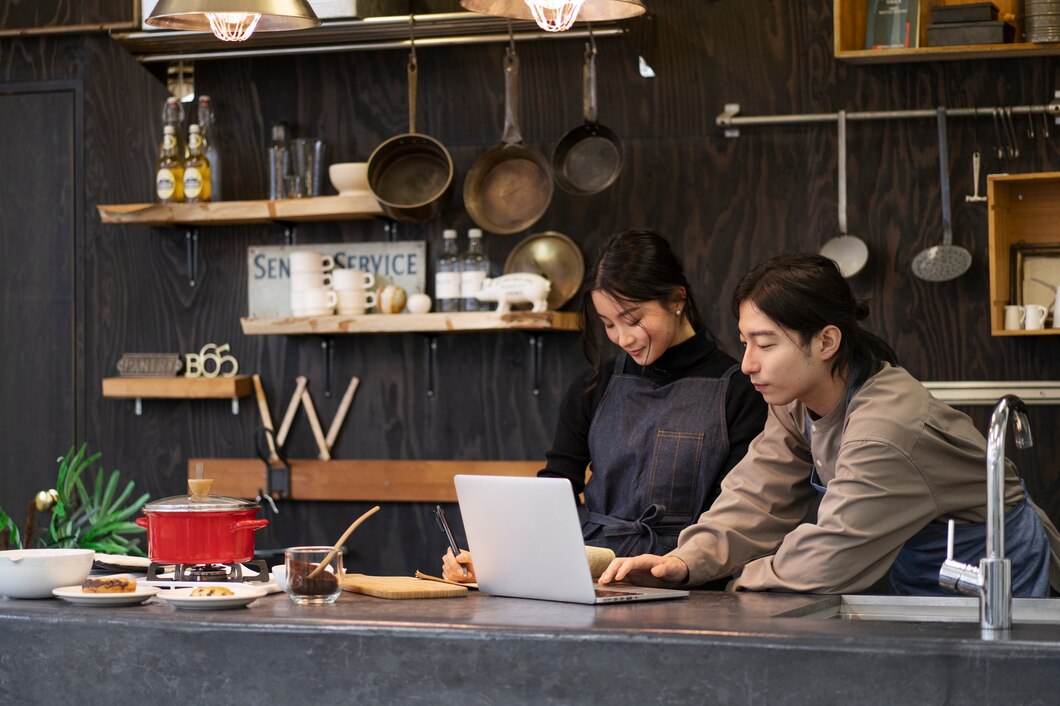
[(893, 461)]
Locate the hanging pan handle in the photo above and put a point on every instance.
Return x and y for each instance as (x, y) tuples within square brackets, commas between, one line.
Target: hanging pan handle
[(841, 138), (511, 134), (589, 83), (412, 71)]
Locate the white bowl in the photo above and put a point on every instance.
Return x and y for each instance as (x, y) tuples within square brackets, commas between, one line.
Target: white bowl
[(33, 573), (349, 177)]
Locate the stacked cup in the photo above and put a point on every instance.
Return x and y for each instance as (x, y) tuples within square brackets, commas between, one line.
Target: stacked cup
[(354, 290), (311, 280)]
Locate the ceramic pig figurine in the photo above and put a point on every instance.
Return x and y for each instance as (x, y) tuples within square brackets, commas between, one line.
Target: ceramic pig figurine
[(516, 288)]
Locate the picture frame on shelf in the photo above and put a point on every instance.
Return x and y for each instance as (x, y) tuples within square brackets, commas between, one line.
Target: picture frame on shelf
[(1033, 264), (892, 24)]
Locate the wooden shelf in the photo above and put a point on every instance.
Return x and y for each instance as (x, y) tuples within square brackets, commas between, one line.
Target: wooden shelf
[(320, 208), (412, 323), (850, 20), (178, 387), (356, 480), (1021, 208)]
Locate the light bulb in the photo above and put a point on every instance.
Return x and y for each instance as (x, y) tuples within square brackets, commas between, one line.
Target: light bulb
[(554, 15), (233, 26)]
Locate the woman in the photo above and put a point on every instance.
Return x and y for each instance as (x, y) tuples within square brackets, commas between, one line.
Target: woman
[(661, 423), (890, 462)]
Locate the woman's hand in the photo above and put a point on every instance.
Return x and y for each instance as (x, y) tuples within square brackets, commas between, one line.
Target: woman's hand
[(459, 569), (646, 570)]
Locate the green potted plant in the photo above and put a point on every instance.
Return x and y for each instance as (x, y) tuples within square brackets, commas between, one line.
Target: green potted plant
[(98, 519)]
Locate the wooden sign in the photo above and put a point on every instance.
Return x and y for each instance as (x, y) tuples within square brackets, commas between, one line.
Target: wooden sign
[(269, 273)]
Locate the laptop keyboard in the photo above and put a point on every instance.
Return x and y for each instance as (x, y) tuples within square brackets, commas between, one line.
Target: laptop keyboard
[(605, 593)]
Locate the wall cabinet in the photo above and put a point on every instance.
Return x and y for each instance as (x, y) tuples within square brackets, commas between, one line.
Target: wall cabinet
[(851, 19), (1024, 210)]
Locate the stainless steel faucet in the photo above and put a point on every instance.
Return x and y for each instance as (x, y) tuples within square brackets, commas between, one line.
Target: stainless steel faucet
[(992, 580)]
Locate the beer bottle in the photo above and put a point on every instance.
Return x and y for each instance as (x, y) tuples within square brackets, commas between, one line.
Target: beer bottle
[(169, 176), (196, 168)]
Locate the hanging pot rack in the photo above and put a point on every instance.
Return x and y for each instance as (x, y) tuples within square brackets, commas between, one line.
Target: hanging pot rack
[(731, 121)]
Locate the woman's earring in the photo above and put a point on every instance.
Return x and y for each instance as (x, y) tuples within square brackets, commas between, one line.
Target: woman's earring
[(678, 312)]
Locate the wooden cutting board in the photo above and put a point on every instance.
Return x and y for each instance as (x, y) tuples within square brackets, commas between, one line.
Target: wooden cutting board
[(400, 587)]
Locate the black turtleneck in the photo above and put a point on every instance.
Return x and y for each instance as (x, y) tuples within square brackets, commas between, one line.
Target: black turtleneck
[(699, 356)]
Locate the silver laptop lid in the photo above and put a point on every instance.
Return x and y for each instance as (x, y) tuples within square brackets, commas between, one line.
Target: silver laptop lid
[(525, 537)]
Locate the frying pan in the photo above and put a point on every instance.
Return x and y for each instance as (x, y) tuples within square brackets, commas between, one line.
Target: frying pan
[(588, 159), (510, 186), (411, 175)]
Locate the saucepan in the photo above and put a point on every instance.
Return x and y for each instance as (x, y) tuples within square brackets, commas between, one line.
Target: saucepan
[(589, 158), (411, 175), (200, 529), (509, 187)]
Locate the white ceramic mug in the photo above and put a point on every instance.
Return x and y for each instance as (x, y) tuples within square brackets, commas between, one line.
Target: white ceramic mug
[(352, 279), (355, 301), (310, 280), (1014, 316), (1035, 317), (316, 301), (309, 261)]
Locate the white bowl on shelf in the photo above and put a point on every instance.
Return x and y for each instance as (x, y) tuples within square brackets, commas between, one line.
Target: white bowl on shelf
[(349, 177), (34, 573)]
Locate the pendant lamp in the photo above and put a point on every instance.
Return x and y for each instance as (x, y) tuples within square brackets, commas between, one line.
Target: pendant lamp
[(233, 20), (557, 15)]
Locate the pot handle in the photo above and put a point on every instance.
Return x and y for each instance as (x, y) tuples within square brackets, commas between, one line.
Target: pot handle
[(511, 134), (141, 522), (589, 85), (249, 524)]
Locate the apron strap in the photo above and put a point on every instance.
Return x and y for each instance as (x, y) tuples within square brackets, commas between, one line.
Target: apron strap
[(647, 525)]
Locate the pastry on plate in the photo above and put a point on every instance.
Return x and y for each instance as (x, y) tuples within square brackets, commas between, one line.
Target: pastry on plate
[(212, 591), (108, 584)]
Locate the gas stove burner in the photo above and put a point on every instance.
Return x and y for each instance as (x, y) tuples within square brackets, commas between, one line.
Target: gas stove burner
[(212, 573)]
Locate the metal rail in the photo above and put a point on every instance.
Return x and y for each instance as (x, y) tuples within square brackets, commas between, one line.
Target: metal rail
[(732, 121)]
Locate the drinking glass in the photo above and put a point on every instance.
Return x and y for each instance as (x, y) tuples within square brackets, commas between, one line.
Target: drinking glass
[(323, 588)]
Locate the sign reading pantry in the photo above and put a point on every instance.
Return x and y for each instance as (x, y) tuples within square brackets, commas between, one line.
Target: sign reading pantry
[(269, 274)]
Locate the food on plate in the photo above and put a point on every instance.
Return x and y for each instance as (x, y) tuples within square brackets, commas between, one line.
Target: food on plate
[(108, 584), (212, 591)]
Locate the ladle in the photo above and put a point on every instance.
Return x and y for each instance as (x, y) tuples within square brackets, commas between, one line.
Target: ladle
[(940, 263), (849, 252), (338, 545)]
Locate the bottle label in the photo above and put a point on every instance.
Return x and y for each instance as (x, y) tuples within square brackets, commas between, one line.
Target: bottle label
[(447, 285), (169, 142), (194, 141), (192, 183), (471, 283), (165, 184)]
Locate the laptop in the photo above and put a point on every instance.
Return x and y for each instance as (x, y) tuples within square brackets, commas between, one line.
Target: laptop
[(526, 541)]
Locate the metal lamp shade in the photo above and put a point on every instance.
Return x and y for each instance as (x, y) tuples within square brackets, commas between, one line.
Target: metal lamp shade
[(191, 15), (591, 11)]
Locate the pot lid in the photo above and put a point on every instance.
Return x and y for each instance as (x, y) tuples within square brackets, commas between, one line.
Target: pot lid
[(199, 503)]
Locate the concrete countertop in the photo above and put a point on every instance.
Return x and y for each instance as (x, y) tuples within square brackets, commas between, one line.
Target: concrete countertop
[(710, 648)]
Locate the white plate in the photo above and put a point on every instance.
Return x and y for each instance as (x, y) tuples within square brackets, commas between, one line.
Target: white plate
[(182, 598), (74, 594)]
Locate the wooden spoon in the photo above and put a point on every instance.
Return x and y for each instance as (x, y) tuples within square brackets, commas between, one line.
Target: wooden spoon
[(338, 545)]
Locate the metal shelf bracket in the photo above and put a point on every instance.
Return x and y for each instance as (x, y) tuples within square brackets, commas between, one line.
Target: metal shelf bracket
[(191, 243)]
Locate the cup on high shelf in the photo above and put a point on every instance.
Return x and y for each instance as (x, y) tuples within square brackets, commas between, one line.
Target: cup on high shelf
[(1035, 317), (352, 279), (316, 301), (1014, 317), (309, 261), (353, 302), (308, 157), (310, 280)]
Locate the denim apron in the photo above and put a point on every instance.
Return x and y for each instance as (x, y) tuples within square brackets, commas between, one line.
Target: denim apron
[(915, 571), (656, 454)]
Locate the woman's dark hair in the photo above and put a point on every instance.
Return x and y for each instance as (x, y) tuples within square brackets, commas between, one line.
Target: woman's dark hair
[(804, 293), (634, 266)]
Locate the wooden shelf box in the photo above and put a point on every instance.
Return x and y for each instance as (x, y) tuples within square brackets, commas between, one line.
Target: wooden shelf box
[(1022, 208), (412, 323)]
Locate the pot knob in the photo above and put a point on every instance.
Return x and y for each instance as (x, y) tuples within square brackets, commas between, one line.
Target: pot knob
[(199, 487)]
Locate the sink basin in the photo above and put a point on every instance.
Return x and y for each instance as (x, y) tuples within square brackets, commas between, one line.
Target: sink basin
[(926, 609)]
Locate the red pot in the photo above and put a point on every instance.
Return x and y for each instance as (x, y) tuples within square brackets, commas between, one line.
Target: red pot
[(191, 529)]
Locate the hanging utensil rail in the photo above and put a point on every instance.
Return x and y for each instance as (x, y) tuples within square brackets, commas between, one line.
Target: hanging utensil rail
[(731, 121)]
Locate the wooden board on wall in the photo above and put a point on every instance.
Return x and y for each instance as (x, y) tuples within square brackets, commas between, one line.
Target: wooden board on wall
[(358, 479)]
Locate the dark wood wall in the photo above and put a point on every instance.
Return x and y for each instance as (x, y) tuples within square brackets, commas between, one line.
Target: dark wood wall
[(726, 204)]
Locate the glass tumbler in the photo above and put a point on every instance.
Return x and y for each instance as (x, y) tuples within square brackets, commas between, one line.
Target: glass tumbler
[(303, 589)]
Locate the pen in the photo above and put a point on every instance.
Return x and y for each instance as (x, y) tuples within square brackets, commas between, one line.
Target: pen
[(439, 516)]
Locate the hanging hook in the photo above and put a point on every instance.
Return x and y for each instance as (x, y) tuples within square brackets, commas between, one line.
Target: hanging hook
[(1013, 144), (412, 43), (511, 39), (1045, 125), (997, 133), (592, 39), (1030, 125)]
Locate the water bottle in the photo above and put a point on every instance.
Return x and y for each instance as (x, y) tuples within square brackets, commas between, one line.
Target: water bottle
[(474, 270), (279, 161), (447, 275)]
